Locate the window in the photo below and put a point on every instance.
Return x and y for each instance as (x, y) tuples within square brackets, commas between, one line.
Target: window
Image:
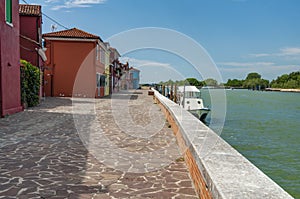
[(97, 52), (8, 11), (102, 54), (100, 80)]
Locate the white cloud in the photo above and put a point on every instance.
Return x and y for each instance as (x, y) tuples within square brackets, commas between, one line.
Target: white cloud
[(80, 2), (76, 4), (290, 51), (152, 71), (268, 72), (269, 65), (260, 55), (283, 52), (51, 1), (246, 64), (139, 63)]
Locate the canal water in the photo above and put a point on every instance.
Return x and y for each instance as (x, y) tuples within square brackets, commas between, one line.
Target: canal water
[(265, 128)]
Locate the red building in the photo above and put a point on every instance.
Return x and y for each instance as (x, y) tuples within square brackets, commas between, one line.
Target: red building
[(30, 33), (114, 64), (75, 65), (10, 97), (31, 36)]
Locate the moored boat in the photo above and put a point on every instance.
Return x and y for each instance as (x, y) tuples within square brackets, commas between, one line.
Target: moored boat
[(190, 99)]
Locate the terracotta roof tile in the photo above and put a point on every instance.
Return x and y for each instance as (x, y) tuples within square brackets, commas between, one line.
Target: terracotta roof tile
[(72, 33), (30, 10)]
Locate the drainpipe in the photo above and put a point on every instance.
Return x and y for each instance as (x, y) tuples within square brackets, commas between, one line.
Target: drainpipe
[(183, 99)]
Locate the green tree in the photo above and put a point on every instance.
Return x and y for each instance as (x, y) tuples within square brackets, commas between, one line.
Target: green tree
[(210, 82), (255, 82), (291, 80), (262, 84), (193, 81), (291, 84), (169, 82), (253, 76), (234, 83)]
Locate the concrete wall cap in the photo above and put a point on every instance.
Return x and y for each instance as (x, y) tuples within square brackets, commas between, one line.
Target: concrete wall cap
[(227, 173)]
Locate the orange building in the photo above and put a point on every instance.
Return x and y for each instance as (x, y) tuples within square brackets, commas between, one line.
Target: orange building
[(75, 65)]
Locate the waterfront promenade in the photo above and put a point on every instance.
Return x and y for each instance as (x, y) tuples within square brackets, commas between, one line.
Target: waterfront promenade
[(46, 151)]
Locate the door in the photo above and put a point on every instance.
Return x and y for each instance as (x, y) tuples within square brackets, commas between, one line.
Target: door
[(48, 84)]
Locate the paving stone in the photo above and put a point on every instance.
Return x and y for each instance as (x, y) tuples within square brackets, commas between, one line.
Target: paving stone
[(187, 191), (44, 155), (101, 196), (117, 187), (159, 195), (12, 191)]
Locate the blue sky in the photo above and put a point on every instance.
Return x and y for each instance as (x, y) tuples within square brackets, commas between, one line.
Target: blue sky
[(241, 36)]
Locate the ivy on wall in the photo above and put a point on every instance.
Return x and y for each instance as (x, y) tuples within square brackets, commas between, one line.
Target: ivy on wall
[(30, 84)]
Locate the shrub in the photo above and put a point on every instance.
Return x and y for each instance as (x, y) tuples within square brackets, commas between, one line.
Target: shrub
[(30, 84)]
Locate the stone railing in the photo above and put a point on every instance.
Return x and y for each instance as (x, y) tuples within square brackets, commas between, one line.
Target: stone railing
[(216, 168)]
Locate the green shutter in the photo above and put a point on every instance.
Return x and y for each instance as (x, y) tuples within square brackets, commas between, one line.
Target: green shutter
[(8, 11)]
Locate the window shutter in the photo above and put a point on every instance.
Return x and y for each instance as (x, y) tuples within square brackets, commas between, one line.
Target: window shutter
[(8, 11)]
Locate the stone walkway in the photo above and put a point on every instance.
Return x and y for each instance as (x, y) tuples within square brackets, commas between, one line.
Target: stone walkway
[(104, 148)]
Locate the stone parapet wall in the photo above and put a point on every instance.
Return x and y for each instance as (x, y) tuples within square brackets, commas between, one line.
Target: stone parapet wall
[(217, 169), (199, 183)]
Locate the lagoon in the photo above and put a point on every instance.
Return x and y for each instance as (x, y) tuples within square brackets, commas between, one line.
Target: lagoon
[(265, 128)]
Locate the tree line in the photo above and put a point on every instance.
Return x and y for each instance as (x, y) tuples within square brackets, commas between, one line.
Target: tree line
[(253, 81), (291, 80), (192, 82)]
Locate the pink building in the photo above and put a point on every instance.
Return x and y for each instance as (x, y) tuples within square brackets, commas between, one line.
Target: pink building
[(10, 94)]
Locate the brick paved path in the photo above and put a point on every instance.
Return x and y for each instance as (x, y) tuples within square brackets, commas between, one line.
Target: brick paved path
[(62, 149)]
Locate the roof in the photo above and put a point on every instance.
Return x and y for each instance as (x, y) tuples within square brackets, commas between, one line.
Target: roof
[(131, 68), (72, 33), (188, 89), (30, 10), (115, 51)]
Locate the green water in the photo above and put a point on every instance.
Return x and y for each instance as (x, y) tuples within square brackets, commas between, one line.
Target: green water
[(265, 128)]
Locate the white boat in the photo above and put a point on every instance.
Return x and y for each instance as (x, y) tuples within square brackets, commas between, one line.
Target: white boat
[(190, 99), (208, 87)]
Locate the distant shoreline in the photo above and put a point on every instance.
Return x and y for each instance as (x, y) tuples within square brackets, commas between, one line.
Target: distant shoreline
[(293, 90), (283, 90)]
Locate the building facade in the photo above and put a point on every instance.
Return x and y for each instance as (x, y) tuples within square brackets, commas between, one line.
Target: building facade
[(107, 71), (76, 64), (114, 64), (134, 78), (31, 33), (31, 37), (123, 76), (10, 94)]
